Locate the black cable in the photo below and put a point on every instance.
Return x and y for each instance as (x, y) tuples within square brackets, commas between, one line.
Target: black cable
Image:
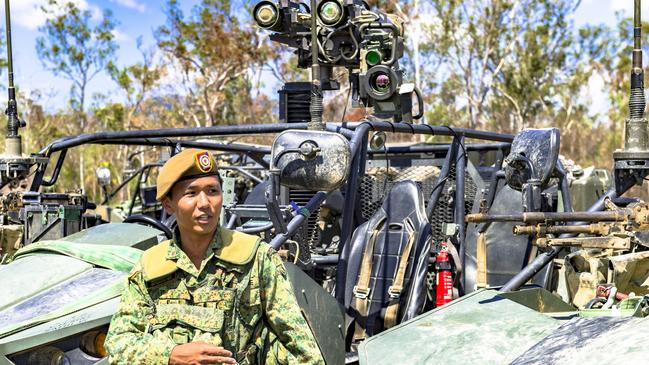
[(439, 183), (412, 129), (432, 131), (420, 102), (387, 171), (466, 156), (368, 123)]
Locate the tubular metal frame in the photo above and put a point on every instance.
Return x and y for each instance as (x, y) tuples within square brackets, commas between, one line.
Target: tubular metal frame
[(356, 132)]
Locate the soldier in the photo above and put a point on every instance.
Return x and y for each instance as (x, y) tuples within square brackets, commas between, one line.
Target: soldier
[(209, 295)]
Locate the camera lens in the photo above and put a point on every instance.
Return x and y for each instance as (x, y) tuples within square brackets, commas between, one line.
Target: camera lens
[(266, 15), (330, 12), (381, 83)]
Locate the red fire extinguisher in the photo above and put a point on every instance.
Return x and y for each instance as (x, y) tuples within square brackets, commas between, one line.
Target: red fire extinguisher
[(444, 285)]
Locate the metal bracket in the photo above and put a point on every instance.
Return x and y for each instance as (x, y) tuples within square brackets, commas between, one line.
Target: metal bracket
[(274, 211), (450, 229), (361, 293)]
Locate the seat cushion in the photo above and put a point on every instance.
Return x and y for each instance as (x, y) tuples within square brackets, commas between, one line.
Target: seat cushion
[(403, 206)]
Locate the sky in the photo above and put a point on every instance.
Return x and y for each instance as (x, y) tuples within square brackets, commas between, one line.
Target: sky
[(141, 17), (136, 18)]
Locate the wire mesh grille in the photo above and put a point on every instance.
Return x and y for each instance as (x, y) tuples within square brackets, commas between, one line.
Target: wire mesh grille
[(312, 235), (379, 180)]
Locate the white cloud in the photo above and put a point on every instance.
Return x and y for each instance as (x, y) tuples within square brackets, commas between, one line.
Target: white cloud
[(120, 36), (28, 13), (626, 6), (131, 4), (596, 94)]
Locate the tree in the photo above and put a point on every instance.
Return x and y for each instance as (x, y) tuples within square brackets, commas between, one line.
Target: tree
[(74, 48), (136, 81), (212, 50), (507, 65)]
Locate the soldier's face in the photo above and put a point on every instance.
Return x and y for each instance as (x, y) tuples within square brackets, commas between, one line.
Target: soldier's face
[(197, 204)]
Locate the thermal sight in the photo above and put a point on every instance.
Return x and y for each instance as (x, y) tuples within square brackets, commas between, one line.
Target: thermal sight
[(369, 43)]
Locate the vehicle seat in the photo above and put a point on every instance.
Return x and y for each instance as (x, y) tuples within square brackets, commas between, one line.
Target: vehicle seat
[(400, 219)]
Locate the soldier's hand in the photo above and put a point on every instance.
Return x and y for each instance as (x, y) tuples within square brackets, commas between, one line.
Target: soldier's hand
[(200, 353)]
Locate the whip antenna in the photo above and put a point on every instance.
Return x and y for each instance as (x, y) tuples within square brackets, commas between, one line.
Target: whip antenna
[(13, 140)]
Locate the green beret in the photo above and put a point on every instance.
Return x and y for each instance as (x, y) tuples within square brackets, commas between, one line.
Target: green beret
[(188, 164)]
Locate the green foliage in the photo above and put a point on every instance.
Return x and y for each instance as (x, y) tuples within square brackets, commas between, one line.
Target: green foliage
[(213, 51), (74, 48), (136, 82), (499, 65), (111, 115), (507, 65)]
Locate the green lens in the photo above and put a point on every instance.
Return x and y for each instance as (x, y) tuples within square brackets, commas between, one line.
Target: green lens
[(373, 58), (266, 15), (330, 12)]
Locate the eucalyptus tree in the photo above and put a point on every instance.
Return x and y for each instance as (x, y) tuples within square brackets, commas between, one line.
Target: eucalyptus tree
[(74, 46), (213, 51)]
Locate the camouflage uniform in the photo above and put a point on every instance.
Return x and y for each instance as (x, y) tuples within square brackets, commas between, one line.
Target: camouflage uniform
[(244, 308)]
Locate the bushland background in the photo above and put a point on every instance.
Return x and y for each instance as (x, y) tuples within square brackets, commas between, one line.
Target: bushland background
[(500, 65)]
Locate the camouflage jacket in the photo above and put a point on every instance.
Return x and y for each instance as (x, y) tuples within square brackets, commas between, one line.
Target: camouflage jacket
[(236, 299)]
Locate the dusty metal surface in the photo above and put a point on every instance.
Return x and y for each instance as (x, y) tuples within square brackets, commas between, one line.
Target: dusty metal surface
[(480, 328), (532, 149), (600, 340), (323, 313), (312, 160), (607, 242)]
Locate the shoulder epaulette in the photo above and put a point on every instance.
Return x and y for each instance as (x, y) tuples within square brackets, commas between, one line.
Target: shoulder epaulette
[(154, 262), (238, 248)]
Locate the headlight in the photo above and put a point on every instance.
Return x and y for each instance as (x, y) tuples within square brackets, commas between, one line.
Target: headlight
[(330, 12), (92, 343), (48, 355), (266, 14), (85, 348)]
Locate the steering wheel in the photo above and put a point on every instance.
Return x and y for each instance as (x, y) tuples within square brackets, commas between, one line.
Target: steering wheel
[(151, 222)]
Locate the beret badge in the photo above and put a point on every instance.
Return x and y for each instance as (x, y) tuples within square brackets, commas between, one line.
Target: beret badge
[(204, 162)]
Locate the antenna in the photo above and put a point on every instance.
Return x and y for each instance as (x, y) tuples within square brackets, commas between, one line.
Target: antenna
[(636, 133), (14, 167), (13, 141), (316, 107), (632, 163)]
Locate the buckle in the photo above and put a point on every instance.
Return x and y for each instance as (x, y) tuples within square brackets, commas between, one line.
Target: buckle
[(360, 293), (394, 293)]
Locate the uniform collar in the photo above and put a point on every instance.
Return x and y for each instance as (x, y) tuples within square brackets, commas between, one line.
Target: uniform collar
[(175, 253), (174, 250)]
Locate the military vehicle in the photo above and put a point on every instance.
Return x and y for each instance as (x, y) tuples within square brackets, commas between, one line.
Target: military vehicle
[(375, 234), (591, 298)]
